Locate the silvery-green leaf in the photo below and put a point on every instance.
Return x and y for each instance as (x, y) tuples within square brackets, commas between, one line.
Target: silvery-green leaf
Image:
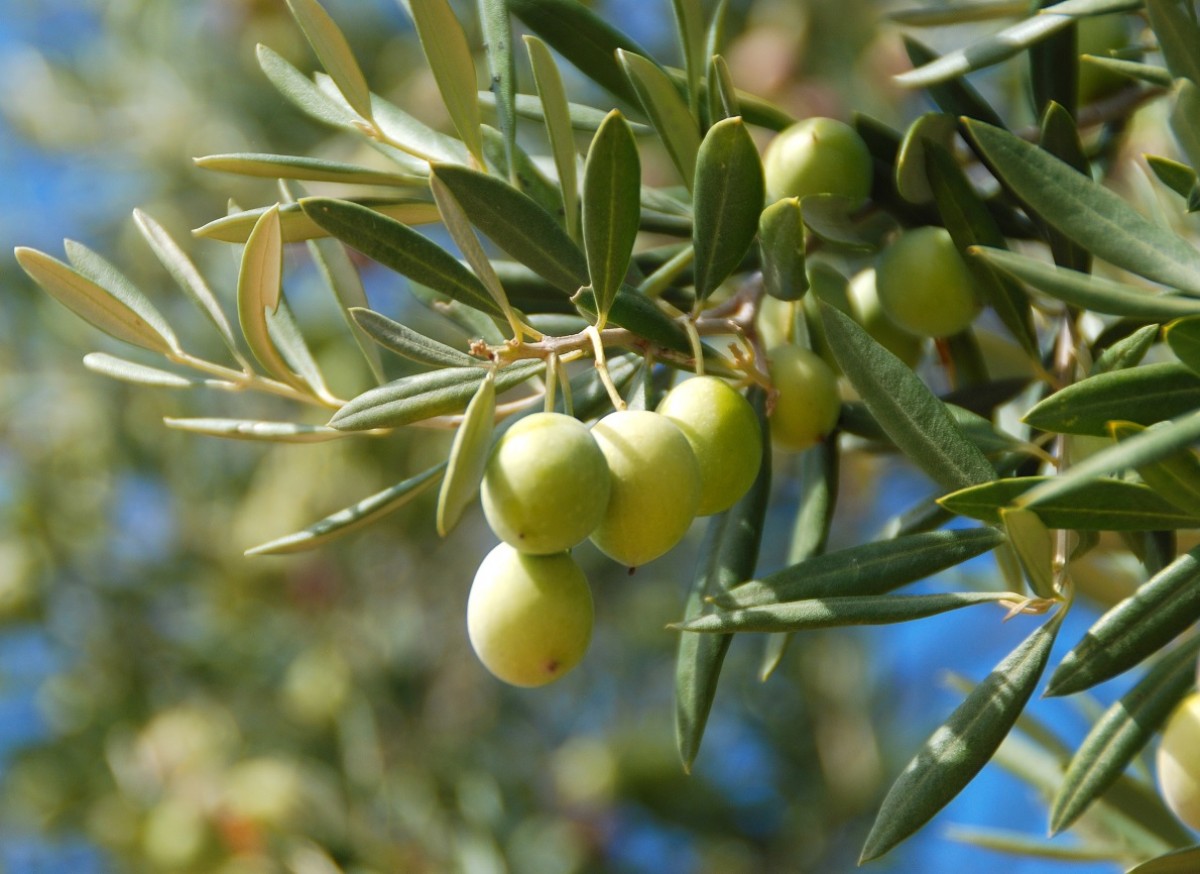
[(341, 276), (245, 429), (961, 746), (1122, 732), (415, 398), (412, 345), (556, 113), (1185, 119), (1088, 213), (259, 286), (1026, 846), (1143, 624), (354, 517), (295, 226), (141, 374), (133, 320), (728, 199), (468, 456), (334, 53), (502, 72), (612, 184), (453, 66), (301, 90), (287, 338), (1175, 27), (729, 555), (667, 110), (583, 118), (955, 97), (1127, 352), (413, 136), (309, 169)]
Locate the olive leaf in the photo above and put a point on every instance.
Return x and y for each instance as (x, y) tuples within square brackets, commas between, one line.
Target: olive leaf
[(244, 429), (675, 124), (334, 53), (468, 456), (142, 374), (612, 184), (1145, 395), (296, 226), (410, 344), (556, 113), (781, 249), (260, 280), (308, 169)]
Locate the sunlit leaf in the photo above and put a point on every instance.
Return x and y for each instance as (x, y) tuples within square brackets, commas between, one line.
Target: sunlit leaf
[(959, 13), (296, 226), (248, 429), (1127, 352), (729, 195), (722, 96), (341, 276), (689, 25), (1144, 623), (1027, 846), (334, 53), (259, 288), (961, 746), (1177, 862), (453, 67), (612, 183), (302, 92), (468, 456), (354, 517), (141, 374), (309, 169), (412, 136)]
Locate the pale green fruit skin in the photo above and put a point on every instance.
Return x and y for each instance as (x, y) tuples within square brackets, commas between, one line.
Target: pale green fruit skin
[(924, 286), (818, 156), (723, 431), (546, 484), (655, 486), (1179, 761), (529, 617), (864, 301), (808, 404)]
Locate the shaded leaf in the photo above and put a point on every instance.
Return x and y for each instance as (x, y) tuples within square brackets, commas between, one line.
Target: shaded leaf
[(334, 53), (341, 276), (286, 337), (1145, 395), (612, 184), (959, 749), (1180, 178), (722, 96), (468, 456), (1176, 476), (1122, 732), (689, 25), (309, 169), (244, 429), (1178, 36), (954, 96), (912, 181), (1144, 623), (1034, 546), (728, 200), (453, 67), (296, 226), (1059, 136), (557, 117), (667, 110), (781, 248), (410, 344), (916, 421), (835, 220), (1127, 352), (354, 517), (1054, 69)]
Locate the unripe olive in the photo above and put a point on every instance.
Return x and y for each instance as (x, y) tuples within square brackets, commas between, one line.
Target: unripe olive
[(924, 285), (818, 156), (529, 617), (546, 484), (864, 302), (1179, 761), (808, 403), (655, 486), (723, 431)]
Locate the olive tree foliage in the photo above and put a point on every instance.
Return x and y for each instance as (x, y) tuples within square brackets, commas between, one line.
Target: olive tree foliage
[(1080, 441)]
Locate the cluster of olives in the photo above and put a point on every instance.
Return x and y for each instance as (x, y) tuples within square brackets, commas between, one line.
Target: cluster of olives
[(632, 483)]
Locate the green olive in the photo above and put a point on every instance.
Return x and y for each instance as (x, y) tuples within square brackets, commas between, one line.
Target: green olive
[(723, 431), (1179, 761), (808, 403), (529, 617), (924, 285), (864, 303), (546, 484), (655, 486), (818, 156)]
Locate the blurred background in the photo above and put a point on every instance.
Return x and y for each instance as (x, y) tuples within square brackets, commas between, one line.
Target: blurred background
[(167, 704)]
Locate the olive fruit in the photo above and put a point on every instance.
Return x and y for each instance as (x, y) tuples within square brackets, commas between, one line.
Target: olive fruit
[(818, 156), (529, 617), (808, 403), (723, 431), (924, 286), (546, 484), (1179, 761), (655, 486), (864, 303)]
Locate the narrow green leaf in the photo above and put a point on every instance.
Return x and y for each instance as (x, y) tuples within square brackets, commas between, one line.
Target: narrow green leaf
[(1054, 68), (141, 374), (1087, 212), (1144, 623), (259, 289), (1127, 352), (557, 117), (296, 226), (781, 248), (867, 570), (667, 111), (1121, 733), (1025, 846), (1174, 25), (271, 432), (309, 169), (343, 280), (1185, 120), (287, 338), (516, 224), (98, 297), (415, 398), (185, 274), (912, 177), (1095, 505), (1034, 545), (410, 344), (729, 555), (334, 53), (1145, 395), (1177, 862), (916, 421), (959, 749), (1176, 476), (722, 96), (1148, 73), (1003, 44), (729, 194), (836, 612), (1180, 178), (1059, 136), (301, 91), (1089, 292), (413, 138), (689, 25), (468, 456), (612, 184), (453, 67), (400, 248), (1183, 336), (583, 118), (955, 97), (354, 517), (502, 71), (959, 13)]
